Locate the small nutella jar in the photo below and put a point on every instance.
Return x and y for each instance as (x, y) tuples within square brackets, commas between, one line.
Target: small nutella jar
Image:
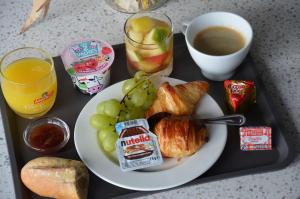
[(137, 147)]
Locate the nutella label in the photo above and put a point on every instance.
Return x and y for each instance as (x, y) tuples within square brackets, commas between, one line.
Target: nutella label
[(131, 123), (137, 147)]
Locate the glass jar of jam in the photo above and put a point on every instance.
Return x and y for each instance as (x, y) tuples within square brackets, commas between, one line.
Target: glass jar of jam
[(47, 135)]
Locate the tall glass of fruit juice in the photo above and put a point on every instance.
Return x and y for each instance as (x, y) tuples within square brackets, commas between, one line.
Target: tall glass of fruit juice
[(28, 81), (149, 43)]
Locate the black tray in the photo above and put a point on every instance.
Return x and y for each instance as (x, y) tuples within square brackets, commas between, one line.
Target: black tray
[(233, 161)]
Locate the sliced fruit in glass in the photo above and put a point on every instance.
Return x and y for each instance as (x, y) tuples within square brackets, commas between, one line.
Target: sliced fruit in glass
[(149, 43)]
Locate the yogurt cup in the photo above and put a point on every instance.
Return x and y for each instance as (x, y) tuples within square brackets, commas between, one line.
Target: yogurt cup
[(88, 63)]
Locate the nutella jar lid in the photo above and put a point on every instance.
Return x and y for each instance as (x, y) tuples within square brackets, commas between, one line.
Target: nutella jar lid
[(137, 147)]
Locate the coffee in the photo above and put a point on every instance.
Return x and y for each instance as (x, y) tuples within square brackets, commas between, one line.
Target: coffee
[(219, 40)]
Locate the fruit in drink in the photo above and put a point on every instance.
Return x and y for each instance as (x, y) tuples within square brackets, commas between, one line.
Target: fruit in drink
[(148, 66), (136, 36), (134, 55), (142, 24), (157, 36), (159, 59), (149, 44)]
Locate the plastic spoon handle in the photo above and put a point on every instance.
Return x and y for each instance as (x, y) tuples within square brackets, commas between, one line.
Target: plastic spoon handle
[(234, 119)]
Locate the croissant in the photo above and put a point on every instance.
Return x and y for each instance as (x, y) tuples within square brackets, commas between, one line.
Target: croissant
[(179, 137), (177, 100)]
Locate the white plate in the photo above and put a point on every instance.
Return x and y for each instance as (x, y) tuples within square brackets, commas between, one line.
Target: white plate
[(171, 173)]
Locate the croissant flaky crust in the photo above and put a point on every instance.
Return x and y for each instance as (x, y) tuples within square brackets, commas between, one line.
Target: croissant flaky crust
[(179, 137), (178, 100)]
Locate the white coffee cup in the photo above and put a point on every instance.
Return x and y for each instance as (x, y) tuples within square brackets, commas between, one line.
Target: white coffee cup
[(213, 67)]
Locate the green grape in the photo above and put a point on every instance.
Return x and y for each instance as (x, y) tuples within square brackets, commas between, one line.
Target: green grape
[(149, 101), (128, 85), (101, 107), (131, 113), (140, 75), (100, 121), (139, 93), (152, 89), (122, 116), (124, 107), (138, 97), (128, 102), (126, 115), (107, 131), (136, 112), (143, 84), (112, 108), (109, 142)]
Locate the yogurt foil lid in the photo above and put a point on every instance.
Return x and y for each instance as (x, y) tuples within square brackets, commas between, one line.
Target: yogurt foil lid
[(88, 63)]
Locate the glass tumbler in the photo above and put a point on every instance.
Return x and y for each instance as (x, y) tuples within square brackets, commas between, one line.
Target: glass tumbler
[(149, 43), (28, 81), (134, 6)]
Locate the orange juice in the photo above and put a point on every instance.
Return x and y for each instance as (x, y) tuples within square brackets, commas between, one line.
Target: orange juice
[(29, 86)]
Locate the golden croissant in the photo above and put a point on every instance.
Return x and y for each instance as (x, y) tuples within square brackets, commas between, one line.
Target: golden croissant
[(178, 100), (179, 137)]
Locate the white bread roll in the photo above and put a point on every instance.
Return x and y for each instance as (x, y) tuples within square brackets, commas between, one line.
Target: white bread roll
[(56, 178)]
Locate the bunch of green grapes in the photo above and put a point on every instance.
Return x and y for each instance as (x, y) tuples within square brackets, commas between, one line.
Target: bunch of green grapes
[(139, 94)]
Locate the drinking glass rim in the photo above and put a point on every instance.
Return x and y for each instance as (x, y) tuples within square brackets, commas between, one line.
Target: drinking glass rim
[(23, 48), (145, 12)]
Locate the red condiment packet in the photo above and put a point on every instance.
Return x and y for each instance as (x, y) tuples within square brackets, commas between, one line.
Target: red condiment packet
[(255, 138), (240, 95)]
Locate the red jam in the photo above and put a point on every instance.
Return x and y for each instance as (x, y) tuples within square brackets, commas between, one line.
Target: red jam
[(46, 136)]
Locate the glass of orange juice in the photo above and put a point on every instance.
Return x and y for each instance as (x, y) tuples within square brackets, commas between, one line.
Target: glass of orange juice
[(149, 43), (28, 81)]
